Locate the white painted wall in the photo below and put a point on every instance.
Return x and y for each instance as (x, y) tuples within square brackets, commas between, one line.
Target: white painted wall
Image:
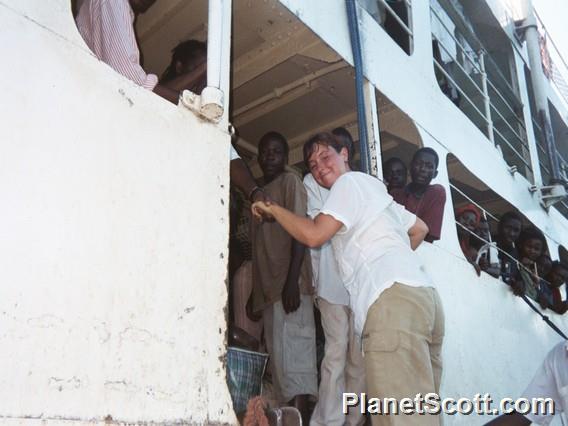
[(113, 243)]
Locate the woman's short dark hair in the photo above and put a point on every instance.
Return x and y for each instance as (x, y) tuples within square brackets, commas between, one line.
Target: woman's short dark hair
[(345, 136), (323, 138)]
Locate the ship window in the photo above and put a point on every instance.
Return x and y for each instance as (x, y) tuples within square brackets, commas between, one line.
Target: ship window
[(158, 31), (470, 194), (398, 134), (474, 66), (395, 17)]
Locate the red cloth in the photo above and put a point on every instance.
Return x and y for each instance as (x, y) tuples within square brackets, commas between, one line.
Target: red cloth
[(556, 295), (429, 207)]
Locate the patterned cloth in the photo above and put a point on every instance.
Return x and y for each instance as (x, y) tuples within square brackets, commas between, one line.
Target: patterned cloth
[(244, 376)]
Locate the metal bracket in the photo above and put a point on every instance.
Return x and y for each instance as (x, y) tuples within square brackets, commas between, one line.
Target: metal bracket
[(550, 195), (209, 105)]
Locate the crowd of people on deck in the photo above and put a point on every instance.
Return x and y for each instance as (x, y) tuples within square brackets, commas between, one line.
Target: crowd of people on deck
[(340, 240), (517, 254)]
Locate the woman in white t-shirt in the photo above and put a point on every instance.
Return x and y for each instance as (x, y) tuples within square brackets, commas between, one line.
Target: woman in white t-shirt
[(397, 311)]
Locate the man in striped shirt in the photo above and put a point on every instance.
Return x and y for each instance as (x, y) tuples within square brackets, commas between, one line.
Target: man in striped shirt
[(107, 26)]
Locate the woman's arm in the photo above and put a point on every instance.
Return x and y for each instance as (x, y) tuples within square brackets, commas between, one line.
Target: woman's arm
[(312, 233), (417, 233)]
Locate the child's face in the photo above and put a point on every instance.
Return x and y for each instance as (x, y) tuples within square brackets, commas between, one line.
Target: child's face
[(272, 158), (532, 249), (395, 175), (468, 219), (511, 230)]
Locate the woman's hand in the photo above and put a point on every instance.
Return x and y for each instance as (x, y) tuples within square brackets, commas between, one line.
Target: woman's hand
[(262, 210)]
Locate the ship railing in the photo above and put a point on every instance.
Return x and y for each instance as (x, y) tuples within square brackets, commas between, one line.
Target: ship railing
[(561, 206), (510, 258), (493, 112), (468, 33), (554, 65), (380, 9)]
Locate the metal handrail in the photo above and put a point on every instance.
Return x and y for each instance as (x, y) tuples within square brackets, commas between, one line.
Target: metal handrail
[(521, 122), (487, 119), (476, 41), (482, 115), (456, 40), (395, 16), (513, 149), (519, 137), (520, 266), (473, 202), (461, 67), (550, 38)]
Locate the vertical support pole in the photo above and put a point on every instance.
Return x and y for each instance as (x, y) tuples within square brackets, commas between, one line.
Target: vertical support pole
[(212, 97), (354, 35), (532, 155), (225, 79), (373, 130), (541, 94), (486, 99)]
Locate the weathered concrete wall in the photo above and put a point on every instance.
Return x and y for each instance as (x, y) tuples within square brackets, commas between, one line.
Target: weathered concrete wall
[(113, 243)]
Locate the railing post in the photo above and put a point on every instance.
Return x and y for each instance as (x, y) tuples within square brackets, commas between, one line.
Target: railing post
[(373, 130), (486, 99)]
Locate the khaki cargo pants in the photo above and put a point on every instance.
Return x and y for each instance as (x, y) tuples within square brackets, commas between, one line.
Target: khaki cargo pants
[(402, 345)]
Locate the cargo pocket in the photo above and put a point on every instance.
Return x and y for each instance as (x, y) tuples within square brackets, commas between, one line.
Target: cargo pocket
[(299, 349), (381, 341)]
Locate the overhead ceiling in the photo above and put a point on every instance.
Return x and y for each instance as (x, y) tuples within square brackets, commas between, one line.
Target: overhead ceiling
[(283, 76)]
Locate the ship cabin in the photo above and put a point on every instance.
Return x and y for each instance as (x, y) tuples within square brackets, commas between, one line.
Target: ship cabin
[(117, 201)]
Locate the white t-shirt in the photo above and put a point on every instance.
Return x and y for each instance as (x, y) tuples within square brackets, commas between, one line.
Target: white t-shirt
[(551, 381), (372, 247), (325, 271)]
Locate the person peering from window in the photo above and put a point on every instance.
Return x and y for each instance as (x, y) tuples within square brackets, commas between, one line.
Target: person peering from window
[(532, 245), (187, 57), (510, 227), (468, 218), (394, 174), (421, 197), (557, 278), (107, 26)]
